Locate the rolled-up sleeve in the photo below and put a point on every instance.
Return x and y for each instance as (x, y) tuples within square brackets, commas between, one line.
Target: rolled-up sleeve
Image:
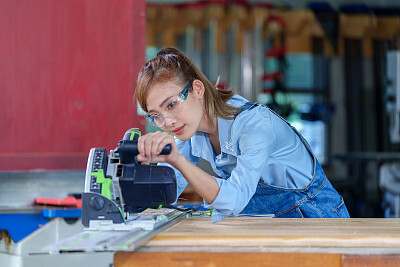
[(254, 142), (235, 192)]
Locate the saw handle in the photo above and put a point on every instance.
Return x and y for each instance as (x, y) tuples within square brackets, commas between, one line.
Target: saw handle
[(166, 150), (128, 150)]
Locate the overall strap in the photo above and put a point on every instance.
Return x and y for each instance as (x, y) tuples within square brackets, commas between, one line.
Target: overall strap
[(247, 106), (304, 141), (251, 105)]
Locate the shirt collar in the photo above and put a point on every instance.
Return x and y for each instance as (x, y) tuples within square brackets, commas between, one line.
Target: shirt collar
[(225, 127), (199, 140), (224, 131)]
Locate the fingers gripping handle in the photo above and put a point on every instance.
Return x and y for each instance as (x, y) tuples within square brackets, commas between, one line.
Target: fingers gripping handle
[(128, 147), (132, 147)]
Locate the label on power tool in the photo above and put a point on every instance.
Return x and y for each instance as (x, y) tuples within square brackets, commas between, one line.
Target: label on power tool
[(99, 162)]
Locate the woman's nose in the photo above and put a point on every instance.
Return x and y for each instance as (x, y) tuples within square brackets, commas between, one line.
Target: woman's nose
[(169, 121)]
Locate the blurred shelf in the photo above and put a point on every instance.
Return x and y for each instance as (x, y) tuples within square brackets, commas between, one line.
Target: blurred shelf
[(297, 91)]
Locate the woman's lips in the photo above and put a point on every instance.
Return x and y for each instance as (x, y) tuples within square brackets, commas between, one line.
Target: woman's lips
[(178, 130)]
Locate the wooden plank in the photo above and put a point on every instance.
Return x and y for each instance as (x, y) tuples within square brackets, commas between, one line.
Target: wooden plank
[(165, 259), (263, 242), (256, 232), (279, 227), (272, 242), (371, 260)]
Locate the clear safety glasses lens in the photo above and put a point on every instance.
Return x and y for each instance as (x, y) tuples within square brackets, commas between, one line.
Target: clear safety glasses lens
[(172, 110)]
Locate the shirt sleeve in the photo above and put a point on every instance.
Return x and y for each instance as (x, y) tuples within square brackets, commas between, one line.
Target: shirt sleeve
[(254, 139)]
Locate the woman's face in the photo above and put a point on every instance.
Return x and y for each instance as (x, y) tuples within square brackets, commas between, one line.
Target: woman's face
[(181, 119)]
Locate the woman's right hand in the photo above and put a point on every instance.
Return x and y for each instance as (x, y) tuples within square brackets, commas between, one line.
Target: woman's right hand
[(150, 146)]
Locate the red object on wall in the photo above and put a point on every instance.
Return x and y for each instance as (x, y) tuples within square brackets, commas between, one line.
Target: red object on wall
[(67, 77)]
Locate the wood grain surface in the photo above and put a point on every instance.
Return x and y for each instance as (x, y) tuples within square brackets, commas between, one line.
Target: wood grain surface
[(233, 232), (371, 260), (271, 242), (166, 259)]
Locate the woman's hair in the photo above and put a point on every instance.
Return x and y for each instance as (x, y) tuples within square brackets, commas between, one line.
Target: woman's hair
[(171, 64)]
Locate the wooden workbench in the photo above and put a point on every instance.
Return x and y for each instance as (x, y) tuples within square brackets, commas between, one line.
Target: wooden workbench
[(271, 242)]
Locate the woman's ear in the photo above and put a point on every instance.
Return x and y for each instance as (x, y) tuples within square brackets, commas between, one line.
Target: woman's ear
[(198, 88)]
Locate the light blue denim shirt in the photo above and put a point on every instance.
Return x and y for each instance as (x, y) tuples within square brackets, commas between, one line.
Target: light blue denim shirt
[(256, 144)]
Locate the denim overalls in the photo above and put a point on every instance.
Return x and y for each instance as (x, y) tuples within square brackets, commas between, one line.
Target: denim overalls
[(317, 200)]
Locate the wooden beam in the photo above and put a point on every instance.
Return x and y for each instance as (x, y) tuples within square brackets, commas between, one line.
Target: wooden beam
[(271, 242), (387, 28), (371, 260), (166, 259), (265, 233)]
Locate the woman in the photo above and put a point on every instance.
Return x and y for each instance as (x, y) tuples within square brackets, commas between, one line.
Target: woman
[(265, 165)]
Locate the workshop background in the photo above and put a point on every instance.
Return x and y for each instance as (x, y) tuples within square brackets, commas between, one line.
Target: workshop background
[(68, 71)]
